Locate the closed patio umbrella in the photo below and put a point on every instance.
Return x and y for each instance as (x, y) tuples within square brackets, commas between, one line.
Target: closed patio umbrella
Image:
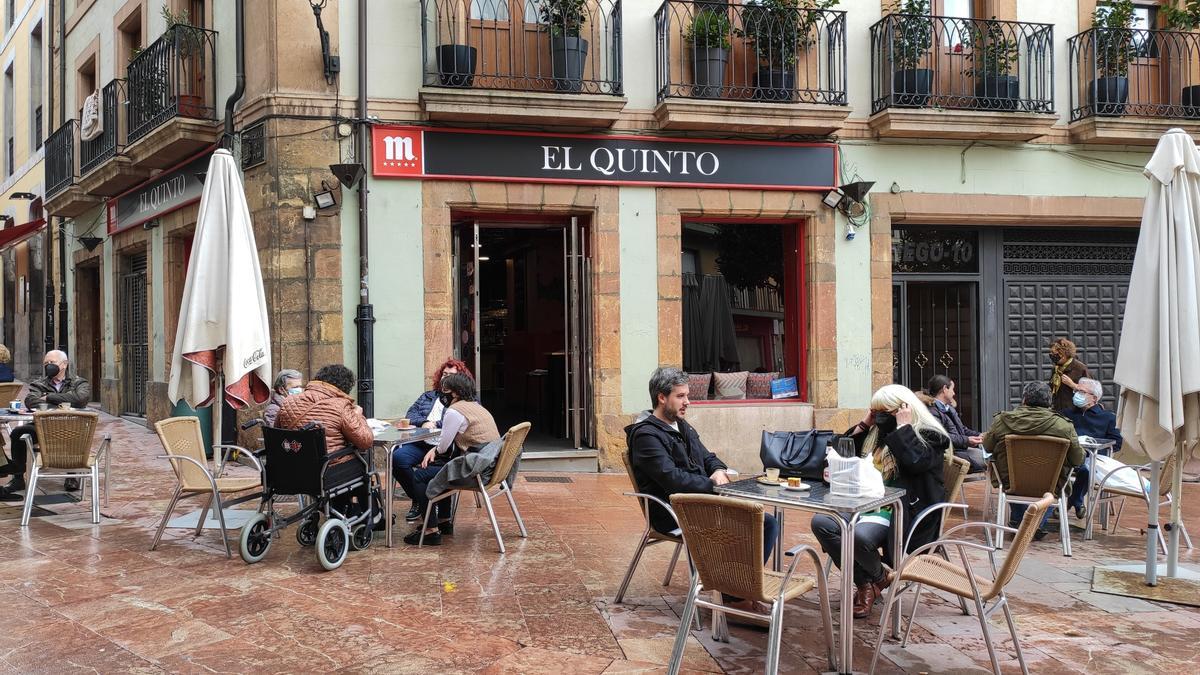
[(1158, 362), (222, 345), (718, 348), (692, 337)]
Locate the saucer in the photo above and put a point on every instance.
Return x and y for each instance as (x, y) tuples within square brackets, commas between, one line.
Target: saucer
[(799, 488), (777, 483)]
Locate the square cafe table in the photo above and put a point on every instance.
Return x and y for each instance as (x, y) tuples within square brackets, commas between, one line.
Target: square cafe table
[(846, 511), (389, 439)]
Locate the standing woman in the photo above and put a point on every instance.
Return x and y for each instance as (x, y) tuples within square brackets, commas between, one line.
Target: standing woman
[(1068, 371), (908, 446), (6, 371)]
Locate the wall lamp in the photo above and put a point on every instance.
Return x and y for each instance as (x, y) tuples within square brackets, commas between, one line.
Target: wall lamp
[(849, 198), (6, 219), (90, 243), (324, 198), (23, 195)]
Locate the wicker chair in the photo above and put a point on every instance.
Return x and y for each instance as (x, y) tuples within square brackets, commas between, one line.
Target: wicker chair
[(9, 391), (650, 536), (1102, 492), (184, 444), (510, 452), (1034, 465), (724, 538), (923, 568), (64, 450)]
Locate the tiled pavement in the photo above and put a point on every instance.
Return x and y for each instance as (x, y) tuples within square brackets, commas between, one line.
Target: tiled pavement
[(79, 598)]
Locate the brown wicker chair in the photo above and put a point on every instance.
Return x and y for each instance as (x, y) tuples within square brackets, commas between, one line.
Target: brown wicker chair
[(64, 450), (1034, 465), (724, 538), (1102, 492), (510, 452), (184, 444), (9, 391), (650, 536), (923, 567)]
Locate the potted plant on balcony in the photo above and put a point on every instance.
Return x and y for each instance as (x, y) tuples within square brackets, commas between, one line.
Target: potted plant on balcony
[(564, 19), (455, 61), (911, 39), (1186, 18), (189, 46), (1109, 92), (993, 56), (778, 30), (709, 37)]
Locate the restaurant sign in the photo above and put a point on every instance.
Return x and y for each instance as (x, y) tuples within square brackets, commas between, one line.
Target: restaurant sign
[(166, 192), (414, 152)]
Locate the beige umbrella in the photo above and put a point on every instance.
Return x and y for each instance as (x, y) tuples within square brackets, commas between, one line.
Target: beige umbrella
[(1158, 363)]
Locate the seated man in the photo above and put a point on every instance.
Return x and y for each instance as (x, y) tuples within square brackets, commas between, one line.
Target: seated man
[(667, 457), (326, 401), (1090, 419), (1032, 418), (964, 440), (55, 388)]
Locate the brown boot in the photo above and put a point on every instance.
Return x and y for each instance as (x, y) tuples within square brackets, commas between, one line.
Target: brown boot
[(864, 600)]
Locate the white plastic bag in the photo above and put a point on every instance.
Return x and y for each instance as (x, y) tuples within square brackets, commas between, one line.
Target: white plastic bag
[(1125, 480), (853, 476)]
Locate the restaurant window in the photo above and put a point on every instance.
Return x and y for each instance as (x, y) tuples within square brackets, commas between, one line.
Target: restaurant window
[(740, 308)]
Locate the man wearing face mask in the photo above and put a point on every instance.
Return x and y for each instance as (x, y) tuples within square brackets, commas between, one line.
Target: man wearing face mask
[(55, 388), (1090, 419)]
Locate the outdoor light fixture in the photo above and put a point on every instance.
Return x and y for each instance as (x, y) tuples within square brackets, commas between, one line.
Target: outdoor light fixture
[(347, 174), (324, 198), (849, 198), (90, 243), (6, 219), (201, 175), (23, 195)]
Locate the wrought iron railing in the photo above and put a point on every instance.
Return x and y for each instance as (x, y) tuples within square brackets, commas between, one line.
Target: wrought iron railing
[(176, 76), (920, 61), (1136, 73), (565, 46), (714, 49), (38, 138), (60, 159), (104, 147)]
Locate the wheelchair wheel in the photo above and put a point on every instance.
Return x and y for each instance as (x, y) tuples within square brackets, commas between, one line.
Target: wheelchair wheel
[(306, 534), (333, 543), (360, 538), (255, 540)]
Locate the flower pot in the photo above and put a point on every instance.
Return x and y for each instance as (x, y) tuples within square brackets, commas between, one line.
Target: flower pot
[(567, 56), (997, 92), (774, 84), (1108, 95), (456, 65), (191, 105), (709, 71), (1191, 101), (911, 88)]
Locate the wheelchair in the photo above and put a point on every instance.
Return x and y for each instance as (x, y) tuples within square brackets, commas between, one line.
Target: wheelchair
[(294, 462)]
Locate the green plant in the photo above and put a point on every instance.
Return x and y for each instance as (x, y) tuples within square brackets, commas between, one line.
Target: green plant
[(993, 52), (564, 18), (778, 29), (1185, 17), (709, 30), (912, 33), (188, 38), (1114, 37)]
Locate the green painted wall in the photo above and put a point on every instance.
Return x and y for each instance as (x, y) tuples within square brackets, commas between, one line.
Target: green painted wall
[(639, 294), (854, 328)]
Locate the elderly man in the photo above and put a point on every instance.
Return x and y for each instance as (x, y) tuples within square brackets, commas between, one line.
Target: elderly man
[(1090, 419), (1032, 418), (667, 457), (55, 388)]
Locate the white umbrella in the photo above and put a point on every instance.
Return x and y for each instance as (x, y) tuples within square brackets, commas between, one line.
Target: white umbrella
[(1158, 363), (223, 334)]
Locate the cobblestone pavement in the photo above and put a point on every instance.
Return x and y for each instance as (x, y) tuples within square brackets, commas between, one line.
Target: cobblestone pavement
[(79, 597)]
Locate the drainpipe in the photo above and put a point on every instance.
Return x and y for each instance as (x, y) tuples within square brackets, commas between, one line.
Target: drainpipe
[(60, 42), (365, 318), (239, 88)]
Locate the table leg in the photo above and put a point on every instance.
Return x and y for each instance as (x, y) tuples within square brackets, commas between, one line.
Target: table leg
[(779, 540), (897, 556), (846, 612), (387, 494)]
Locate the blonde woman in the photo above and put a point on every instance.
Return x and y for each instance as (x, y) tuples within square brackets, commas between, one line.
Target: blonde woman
[(908, 446), (6, 371)]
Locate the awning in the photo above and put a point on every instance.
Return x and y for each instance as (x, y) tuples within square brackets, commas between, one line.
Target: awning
[(14, 235)]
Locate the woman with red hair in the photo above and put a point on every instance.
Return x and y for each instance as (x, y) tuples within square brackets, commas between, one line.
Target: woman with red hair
[(425, 412)]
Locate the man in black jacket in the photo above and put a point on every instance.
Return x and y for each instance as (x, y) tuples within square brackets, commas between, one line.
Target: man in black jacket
[(965, 441), (667, 457), (53, 390)]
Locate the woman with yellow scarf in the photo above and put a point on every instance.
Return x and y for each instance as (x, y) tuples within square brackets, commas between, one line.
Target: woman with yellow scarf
[(1068, 371)]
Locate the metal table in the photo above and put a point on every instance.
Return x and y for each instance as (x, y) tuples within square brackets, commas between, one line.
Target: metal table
[(818, 499), (9, 419), (389, 439), (1093, 449)]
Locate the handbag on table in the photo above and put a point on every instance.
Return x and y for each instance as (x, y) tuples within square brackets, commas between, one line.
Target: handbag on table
[(799, 454)]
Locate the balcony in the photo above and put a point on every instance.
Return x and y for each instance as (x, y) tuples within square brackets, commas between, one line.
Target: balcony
[(63, 196), (947, 77), (103, 167), (172, 96), (554, 62), (750, 68), (1129, 86)]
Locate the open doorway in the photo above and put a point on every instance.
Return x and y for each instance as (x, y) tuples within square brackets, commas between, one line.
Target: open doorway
[(523, 324), (89, 331)]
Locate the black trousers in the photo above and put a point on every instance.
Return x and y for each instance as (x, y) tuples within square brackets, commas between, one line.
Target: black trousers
[(20, 458)]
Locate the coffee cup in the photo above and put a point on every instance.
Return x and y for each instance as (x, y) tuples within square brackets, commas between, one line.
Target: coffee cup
[(773, 474), (731, 474), (43, 406), (403, 423)]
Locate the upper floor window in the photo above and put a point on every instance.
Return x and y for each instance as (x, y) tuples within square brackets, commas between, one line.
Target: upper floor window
[(10, 13), (499, 10)]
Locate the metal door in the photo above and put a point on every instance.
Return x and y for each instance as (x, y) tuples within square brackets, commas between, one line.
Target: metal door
[(135, 361), (935, 331), (580, 415), (466, 291)]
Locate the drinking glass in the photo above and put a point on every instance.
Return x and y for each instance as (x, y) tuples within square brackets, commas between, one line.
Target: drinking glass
[(845, 447)]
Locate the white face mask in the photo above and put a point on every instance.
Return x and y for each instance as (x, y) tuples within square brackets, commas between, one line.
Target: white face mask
[(295, 390)]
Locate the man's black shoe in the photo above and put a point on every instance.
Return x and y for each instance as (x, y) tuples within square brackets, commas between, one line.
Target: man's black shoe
[(445, 527), (8, 470), (17, 484), (414, 514), (1040, 534), (71, 484), (431, 538), (7, 495)]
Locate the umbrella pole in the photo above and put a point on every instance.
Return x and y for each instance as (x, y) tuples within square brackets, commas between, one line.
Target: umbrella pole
[(1152, 528), (1176, 515), (218, 408)]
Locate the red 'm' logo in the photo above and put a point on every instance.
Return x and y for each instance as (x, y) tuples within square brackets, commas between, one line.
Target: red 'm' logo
[(397, 152)]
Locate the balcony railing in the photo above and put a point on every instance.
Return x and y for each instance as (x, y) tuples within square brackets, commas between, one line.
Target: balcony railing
[(104, 147), (564, 46), (1136, 73), (922, 61), (176, 76), (712, 49), (60, 159)]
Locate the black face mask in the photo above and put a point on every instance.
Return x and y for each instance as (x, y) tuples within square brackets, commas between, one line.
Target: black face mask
[(885, 422), (1053, 359), (51, 369), (446, 399)]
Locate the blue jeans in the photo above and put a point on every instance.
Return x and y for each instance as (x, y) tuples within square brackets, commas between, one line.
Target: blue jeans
[(1082, 477), (1017, 513), (404, 458), (770, 536)]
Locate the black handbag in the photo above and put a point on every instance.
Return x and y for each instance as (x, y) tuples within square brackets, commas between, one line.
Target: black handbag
[(798, 454)]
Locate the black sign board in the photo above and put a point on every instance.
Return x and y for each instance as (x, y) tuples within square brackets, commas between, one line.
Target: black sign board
[(166, 192), (412, 152), (934, 251)]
